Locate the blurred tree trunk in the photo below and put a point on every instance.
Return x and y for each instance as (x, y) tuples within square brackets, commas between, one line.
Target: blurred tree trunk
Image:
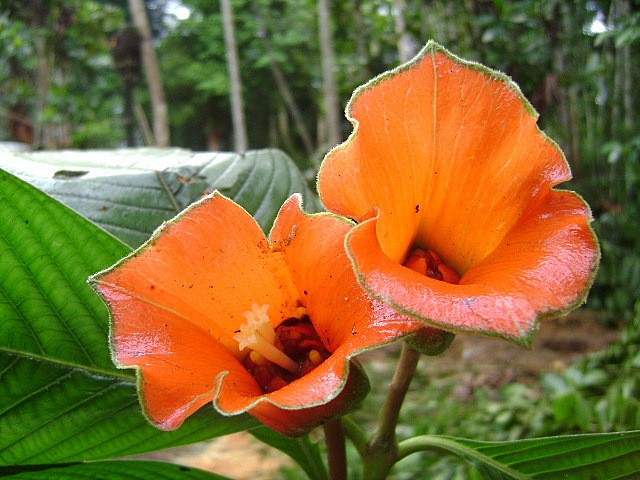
[(629, 117), (160, 112), (42, 134), (37, 14), (362, 38), (50, 128), (237, 107), (559, 37), (126, 56), (620, 119), (329, 86), (405, 46), (292, 106), (623, 94), (283, 87)]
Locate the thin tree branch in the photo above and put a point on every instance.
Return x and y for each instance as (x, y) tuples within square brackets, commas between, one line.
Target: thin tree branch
[(336, 449), (237, 106)]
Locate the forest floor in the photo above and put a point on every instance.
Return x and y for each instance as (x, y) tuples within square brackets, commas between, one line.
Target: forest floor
[(471, 362)]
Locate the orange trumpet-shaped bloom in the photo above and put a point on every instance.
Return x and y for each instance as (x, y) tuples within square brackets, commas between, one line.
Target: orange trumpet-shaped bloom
[(446, 159), (210, 310)]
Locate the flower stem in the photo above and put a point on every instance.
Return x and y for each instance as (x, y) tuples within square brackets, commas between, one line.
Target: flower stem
[(402, 377), (382, 451), (336, 449), (356, 435)]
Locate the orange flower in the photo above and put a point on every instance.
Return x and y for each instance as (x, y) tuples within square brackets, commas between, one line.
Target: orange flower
[(210, 310), (447, 168)]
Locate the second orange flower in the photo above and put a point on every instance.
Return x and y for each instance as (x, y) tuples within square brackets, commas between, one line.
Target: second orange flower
[(452, 184)]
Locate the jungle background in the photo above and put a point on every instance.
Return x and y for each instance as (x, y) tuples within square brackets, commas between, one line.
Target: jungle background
[(234, 75)]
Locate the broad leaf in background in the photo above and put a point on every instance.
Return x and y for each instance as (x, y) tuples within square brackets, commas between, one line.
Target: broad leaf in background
[(305, 452), (602, 456), (571, 457), (131, 192), (62, 399), (121, 470)]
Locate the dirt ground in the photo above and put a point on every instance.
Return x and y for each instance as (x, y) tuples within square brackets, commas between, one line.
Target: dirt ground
[(493, 362), (476, 361)]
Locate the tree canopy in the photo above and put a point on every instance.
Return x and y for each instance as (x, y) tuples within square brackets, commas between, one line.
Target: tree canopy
[(61, 88)]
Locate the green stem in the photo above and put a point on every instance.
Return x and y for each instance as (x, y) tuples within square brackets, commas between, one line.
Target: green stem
[(336, 449), (400, 383), (356, 435), (382, 452)]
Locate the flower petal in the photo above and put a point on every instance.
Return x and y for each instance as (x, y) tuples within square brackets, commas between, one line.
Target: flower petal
[(347, 320), (177, 360), (340, 309), (208, 265), (543, 267), (177, 301), (437, 144), (551, 255), (290, 410)]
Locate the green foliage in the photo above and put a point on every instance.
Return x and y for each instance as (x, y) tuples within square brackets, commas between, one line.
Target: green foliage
[(618, 282), (569, 457), (69, 80), (598, 393), (63, 399), (195, 72), (305, 452), (77, 407), (122, 470), (601, 391), (132, 194)]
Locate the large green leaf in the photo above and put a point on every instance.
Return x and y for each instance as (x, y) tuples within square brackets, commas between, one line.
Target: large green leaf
[(305, 452), (604, 456), (62, 400), (120, 470), (131, 192)]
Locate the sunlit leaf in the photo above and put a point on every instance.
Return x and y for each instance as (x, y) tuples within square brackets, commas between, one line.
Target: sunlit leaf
[(121, 470), (131, 192), (604, 456), (62, 398)]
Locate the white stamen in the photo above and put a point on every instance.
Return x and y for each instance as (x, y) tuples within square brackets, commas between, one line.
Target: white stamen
[(257, 317), (258, 335)]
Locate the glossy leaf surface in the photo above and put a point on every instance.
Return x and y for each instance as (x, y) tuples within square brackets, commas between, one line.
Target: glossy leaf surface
[(62, 399), (131, 192), (121, 470), (605, 456)]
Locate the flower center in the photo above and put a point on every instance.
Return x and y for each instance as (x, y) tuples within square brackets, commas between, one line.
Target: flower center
[(429, 263), (279, 356)]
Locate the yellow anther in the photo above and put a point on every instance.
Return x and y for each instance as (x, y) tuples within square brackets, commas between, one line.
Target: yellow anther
[(258, 335), (315, 357), (257, 358)]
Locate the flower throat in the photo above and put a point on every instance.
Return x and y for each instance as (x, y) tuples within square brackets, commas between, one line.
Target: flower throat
[(281, 355), (429, 264)]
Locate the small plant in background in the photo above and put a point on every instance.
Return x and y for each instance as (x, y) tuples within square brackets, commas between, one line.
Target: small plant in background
[(601, 391)]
